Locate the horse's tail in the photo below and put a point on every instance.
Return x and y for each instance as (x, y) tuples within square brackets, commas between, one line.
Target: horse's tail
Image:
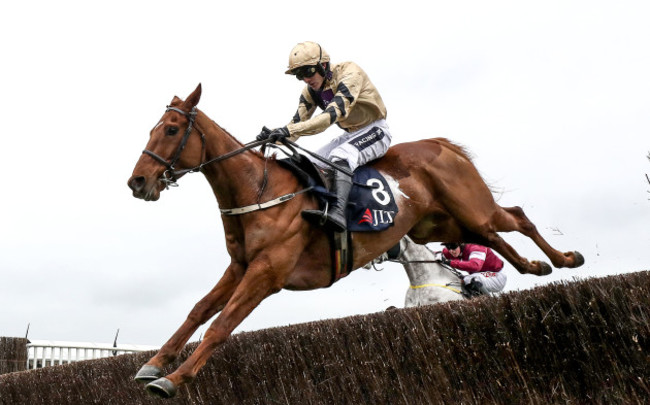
[(464, 151)]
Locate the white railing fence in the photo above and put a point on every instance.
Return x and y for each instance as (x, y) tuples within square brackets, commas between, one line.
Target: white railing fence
[(41, 353)]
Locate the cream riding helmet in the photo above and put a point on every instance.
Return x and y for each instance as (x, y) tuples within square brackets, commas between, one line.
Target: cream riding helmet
[(306, 59)]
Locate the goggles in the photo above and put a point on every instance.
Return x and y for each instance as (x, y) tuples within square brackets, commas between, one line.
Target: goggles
[(304, 71)]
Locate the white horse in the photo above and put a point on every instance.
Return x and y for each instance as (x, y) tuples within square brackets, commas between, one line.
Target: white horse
[(431, 282)]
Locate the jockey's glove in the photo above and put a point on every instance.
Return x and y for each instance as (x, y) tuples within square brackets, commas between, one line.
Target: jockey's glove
[(277, 134), (444, 260), (264, 134)]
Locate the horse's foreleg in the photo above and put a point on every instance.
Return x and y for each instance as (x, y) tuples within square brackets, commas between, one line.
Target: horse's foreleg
[(205, 309), (259, 282)]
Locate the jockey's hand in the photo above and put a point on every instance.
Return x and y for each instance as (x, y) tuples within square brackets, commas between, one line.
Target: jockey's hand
[(279, 134), (444, 260), (264, 134)]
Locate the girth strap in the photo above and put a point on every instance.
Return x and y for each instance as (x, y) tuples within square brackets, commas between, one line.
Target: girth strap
[(341, 251)]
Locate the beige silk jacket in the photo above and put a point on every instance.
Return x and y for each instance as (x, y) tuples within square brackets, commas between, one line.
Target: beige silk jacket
[(348, 99)]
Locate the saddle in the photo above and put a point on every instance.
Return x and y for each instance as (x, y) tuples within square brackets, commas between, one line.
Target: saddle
[(371, 206)]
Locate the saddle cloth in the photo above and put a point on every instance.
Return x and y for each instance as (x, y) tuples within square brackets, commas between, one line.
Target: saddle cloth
[(371, 205)]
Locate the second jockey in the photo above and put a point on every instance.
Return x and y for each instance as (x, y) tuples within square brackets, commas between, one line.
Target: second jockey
[(484, 267)]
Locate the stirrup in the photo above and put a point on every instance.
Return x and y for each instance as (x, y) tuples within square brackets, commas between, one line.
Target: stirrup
[(316, 217), (335, 225), (323, 220)]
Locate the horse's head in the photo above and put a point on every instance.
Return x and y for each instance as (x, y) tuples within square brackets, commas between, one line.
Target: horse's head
[(174, 144)]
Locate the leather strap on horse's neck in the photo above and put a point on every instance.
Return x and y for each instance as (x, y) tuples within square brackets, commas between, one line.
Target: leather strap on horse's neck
[(261, 206)]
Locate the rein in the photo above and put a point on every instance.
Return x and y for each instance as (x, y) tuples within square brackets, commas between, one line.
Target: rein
[(451, 269), (246, 147), (291, 145), (447, 267), (171, 175)]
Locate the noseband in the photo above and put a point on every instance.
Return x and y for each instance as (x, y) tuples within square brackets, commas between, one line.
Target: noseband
[(170, 176)]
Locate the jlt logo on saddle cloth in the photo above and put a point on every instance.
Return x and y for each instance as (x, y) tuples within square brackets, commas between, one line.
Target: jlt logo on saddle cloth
[(372, 206)]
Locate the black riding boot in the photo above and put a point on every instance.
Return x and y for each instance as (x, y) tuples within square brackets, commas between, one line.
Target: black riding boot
[(473, 288), (334, 218)]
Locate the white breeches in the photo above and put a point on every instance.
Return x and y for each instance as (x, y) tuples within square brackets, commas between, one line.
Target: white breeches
[(360, 147), (492, 282)]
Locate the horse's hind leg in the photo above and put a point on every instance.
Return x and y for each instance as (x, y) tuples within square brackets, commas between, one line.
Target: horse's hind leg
[(522, 264), (513, 219), (205, 309)]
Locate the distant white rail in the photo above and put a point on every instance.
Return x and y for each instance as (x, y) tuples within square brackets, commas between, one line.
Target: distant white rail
[(43, 353)]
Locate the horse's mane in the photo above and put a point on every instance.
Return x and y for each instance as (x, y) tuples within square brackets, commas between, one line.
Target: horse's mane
[(255, 152)]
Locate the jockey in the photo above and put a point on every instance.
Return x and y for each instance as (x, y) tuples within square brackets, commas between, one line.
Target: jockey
[(348, 98), (484, 267)]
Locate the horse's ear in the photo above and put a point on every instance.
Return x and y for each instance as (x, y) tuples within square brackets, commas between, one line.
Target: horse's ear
[(193, 99), (176, 101)]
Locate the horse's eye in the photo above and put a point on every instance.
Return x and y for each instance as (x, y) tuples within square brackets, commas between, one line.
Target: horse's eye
[(171, 131)]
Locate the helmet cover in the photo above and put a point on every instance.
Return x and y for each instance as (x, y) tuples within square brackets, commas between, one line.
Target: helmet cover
[(306, 54)]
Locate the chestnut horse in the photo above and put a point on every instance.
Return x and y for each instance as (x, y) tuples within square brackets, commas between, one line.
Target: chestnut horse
[(439, 193)]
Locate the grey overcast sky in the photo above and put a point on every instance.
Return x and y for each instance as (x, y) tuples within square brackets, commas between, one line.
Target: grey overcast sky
[(552, 98)]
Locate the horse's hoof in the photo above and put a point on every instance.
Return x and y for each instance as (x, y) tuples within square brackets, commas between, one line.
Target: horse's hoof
[(579, 259), (148, 374), (162, 388), (544, 269)]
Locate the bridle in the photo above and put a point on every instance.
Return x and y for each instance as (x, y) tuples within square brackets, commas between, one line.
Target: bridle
[(171, 175)]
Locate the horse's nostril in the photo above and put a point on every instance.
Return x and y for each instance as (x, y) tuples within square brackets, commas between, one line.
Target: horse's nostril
[(137, 183)]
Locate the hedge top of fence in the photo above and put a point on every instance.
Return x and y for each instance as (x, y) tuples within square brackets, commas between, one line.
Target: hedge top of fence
[(586, 341)]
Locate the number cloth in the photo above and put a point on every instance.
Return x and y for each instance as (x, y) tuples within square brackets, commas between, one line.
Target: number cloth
[(372, 206)]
